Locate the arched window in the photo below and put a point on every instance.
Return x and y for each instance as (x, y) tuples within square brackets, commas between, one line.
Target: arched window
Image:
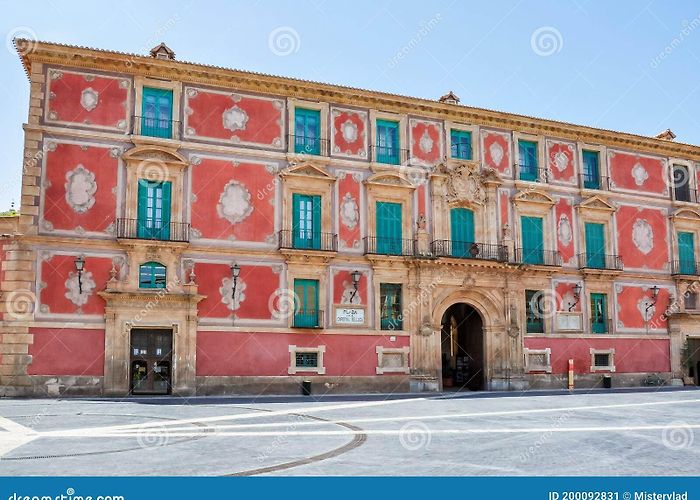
[(152, 275)]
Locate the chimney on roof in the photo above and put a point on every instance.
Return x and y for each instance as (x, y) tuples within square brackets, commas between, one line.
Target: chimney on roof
[(666, 135), (162, 51), (449, 98)]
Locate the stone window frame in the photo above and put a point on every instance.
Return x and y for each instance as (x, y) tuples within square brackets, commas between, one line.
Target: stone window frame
[(402, 120), (381, 351), (293, 369), (535, 368), (602, 164), (324, 109), (686, 220), (692, 179), (139, 83), (541, 158), (610, 367), (535, 203), (473, 129), (597, 210)]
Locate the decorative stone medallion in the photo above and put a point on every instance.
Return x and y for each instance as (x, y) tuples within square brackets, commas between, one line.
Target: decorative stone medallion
[(496, 151), (235, 119), (350, 296), (80, 189), (232, 302), (87, 283), (561, 161), (349, 211), (643, 236), (426, 142), (639, 174), (89, 98), (349, 131), (564, 231), (234, 203)]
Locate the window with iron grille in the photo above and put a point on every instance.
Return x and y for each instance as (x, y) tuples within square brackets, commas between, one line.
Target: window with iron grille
[(691, 300), (307, 359), (602, 360)]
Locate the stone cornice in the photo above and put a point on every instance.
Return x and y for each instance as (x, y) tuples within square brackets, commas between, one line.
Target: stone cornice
[(191, 73)]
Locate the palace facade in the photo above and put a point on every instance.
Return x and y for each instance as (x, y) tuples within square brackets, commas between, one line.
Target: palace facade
[(191, 229)]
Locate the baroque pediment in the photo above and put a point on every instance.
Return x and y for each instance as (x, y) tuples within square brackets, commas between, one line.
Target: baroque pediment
[(307, 169), (393, 179), (156, 154), (597, 203), (533, 196), (686, 214)]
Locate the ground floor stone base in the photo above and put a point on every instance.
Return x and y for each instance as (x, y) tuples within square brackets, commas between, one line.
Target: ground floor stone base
[(593, 380)]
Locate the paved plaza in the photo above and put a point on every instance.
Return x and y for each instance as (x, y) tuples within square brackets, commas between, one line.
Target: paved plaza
[(599, 433)]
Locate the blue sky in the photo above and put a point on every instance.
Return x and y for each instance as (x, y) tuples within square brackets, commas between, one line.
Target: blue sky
[(588, 62)]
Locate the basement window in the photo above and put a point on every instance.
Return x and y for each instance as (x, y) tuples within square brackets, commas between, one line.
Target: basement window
[(306, 359), (602, 360)]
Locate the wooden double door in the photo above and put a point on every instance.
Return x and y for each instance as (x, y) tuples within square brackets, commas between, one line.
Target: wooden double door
[(151, 361)]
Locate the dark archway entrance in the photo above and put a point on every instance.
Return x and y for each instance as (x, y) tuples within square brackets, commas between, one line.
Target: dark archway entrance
[(463, 348)]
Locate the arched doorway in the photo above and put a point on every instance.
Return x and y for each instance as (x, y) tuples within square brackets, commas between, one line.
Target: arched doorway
[(462, 348)]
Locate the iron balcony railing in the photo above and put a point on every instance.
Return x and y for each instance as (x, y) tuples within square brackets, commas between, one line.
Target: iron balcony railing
[(461, 151), (537, 256), (604, 325), (593, 181), (685, 268), (149, 229), (533, 174), (468, 250), (388, 246), (302, 239), (684, 193), (302, 144), (155, 127), (308, 318), (599, 261), (389, 155)]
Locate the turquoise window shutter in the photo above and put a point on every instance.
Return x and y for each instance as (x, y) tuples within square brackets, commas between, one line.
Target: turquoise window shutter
[(461, 144), (595, 245), (686, 253), (307, 131), (306, 312), (532, 239), (591, 170), (157, 112), (389, 228), (387, 142), (165, 210), (462, 231), (153, 211), (306, 224), (528, 160), (599, 320)]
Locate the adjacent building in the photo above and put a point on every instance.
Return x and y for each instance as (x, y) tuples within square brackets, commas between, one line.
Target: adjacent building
[(191, 229)]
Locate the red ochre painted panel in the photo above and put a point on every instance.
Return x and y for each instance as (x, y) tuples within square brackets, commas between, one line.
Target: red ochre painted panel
[(59, 275), (496, 148), (564, 294), (349, 133), (105, 99), (343, 288), (565, 231), (80, 187), (631, 355), (642, 237), (67, 351), (560, 156), (267, 354), (257, 288), (505, 202), (640, 174), (233, 200), (631, 306), (234, 117), (425, 141), (349, 210)]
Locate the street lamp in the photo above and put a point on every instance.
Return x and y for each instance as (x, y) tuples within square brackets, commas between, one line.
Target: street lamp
[(577, 296), (654, 296), (79, 266), (235, 272), (356, 275)]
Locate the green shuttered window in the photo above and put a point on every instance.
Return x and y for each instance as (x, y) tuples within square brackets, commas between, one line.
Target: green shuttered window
[(387, 142), (599, 313), (306, 224), (532, 239), (595, 245), (528, 160), (307, 131), (461, 144), (462, 231), (154, 210), (306, 313), (389, 228), (591, 170), (152, 275), (157, 113), (686, 253)]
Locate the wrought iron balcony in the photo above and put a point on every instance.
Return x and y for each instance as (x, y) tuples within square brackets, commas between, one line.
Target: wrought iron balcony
[(537, 257), (302, 144), (469, 250), (599, 182), (389, 155), (308, 318), (533, 174), (148, 229), (685, 268), (599, 261), (155, 127), (301, 239), (684, 193), (388, 246)]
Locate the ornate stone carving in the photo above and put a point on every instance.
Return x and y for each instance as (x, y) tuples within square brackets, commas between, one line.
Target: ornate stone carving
[(643, 236), (350, 296), (89, 98), (349, 131), (466, 183), (234, 203), (349, 211), (639, 174), (226, 291), (564, 230), (87, 283), (426, 142), (80, 189), (235, 119)]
